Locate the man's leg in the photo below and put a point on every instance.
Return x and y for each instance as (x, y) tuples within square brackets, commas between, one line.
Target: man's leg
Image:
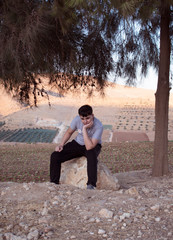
[(70, 150), (91, 156)]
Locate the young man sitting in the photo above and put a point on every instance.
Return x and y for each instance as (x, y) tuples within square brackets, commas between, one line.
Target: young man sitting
[(87, 143)]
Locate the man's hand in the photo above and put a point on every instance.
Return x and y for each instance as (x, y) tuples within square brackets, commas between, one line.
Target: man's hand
[(59, 148), (65, 138), (89, 125)]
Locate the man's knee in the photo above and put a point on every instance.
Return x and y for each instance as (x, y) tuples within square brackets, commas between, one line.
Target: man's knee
[(55, 157), (93, 153)]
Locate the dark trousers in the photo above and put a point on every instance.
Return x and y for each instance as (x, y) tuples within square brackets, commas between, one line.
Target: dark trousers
[(74, 150)]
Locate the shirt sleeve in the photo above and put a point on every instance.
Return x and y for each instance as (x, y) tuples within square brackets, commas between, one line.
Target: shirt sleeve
[(73, 124), (98, 133)]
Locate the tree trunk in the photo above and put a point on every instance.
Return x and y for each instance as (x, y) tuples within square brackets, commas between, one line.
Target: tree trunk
[(160, 166)]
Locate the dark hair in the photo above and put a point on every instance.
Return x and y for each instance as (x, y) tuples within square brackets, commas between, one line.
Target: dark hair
[(85, 110)]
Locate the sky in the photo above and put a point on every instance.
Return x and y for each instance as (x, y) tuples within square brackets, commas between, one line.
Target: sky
[(150, 82)]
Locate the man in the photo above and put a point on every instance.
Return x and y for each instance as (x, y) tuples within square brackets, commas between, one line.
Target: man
[(87, 143)]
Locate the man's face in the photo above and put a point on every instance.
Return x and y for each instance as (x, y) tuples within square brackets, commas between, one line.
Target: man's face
[(86, 120)]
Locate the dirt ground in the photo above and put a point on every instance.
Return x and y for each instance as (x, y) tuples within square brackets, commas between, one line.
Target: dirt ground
[(141, 209)]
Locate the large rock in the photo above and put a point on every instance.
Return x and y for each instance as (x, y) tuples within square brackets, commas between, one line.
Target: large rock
[(74, 172)]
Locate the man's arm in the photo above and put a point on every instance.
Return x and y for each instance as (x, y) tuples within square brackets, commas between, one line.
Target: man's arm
[(65, 138), (89, 143)]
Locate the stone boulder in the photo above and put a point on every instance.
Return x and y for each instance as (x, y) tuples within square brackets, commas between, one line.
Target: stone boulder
[(74, 172)]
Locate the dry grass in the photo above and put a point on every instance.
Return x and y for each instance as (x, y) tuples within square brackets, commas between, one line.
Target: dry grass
[(30, 162)]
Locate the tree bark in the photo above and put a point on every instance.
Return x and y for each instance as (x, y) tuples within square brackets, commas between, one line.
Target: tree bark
[(160, 166)]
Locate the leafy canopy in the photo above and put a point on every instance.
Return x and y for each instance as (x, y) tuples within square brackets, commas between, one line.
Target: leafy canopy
[(76, 42)]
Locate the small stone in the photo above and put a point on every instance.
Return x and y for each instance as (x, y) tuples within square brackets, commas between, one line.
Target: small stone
[(33, 235), (44, 219), (101, 231), (155, 207), (132, 191), (157, 219), (48, 229), (91, 220), (106, 213), (10, 236), (97, 220), (145, 190), (68, 193), (124, 215), (143, 227), (45, 209), (3, 193), (26, 186)]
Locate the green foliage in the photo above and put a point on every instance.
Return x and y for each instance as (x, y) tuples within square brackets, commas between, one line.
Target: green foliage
[(73, 41), (47, 37)]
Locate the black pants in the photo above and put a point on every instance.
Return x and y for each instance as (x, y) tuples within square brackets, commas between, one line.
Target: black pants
[(74, 150)]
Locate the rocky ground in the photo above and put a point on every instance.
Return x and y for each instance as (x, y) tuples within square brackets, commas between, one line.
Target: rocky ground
[(141, 209)]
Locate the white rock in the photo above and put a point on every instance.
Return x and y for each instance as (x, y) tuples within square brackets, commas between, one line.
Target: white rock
[(33, 235), (3, 193), (157, 219), (91, 220), (97, 220), (25, 185), (106, 213), (124, 215), (132, 191), (10, 236), (101, 231), (45, 209), (74, 172), (155, 207), (44, 219)]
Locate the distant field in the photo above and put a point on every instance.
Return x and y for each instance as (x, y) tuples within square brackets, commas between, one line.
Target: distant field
[(28, 135), (30, 162)]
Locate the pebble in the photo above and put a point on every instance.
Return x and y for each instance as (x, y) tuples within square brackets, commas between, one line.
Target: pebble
[(155, 207), (106, 213), (25, 186), (101, 231), (132, 191), (124, 215), (157, 219), (33, 235), (91, 220)]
